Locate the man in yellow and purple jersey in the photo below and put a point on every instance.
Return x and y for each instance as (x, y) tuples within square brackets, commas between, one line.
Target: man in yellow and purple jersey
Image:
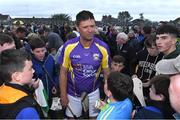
[(82, 59)]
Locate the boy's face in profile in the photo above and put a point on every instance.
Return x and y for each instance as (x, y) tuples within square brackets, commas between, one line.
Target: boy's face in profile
[(39, 53), (27, 73), (115, 66), (153, 50), (154, 96)]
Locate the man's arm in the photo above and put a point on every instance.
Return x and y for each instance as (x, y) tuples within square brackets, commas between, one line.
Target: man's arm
[(63, 86), (106, 72)]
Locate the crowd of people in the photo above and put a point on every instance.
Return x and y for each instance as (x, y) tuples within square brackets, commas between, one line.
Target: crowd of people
[(83, 72)]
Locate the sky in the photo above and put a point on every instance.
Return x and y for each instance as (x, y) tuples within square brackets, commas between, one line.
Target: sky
[(154, 10)]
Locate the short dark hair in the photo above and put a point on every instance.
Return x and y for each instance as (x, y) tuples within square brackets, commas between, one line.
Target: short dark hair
[(21, 30), (168, 29), (161, 84), (4, 38), (150, 41), (120, 85), (118, 59), (12, 60), (71, 35), (36, 43), (147, 29), (83, 15)]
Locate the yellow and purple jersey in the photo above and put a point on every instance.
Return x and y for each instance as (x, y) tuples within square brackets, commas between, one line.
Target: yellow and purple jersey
[(84, 64)]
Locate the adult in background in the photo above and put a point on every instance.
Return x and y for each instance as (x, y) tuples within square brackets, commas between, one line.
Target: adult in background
[(19, 37), (125, 50), (54, 41)]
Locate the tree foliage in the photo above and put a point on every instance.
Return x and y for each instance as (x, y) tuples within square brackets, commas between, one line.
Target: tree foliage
[(60, 18), (124, 18), (108, 20)]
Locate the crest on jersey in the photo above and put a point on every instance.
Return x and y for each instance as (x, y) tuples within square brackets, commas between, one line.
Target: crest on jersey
[(95, 56)]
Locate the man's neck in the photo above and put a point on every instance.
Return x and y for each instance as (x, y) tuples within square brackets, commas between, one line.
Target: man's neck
[(86, 43)]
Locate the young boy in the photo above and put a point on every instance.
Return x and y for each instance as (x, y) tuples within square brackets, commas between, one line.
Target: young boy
[(146, 60), (158, 107), (44, 66), (16, 101), (117, 63), (118, 88), (166, 38)]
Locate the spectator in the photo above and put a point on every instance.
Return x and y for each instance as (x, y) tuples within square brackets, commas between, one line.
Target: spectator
[(16, 102), (145, 62), (166, 39), (44, 66), (19, 37), (172, 67), (54, 41), (117, 63), (119, 89), (6, 42), (125, 50), (158, 107)]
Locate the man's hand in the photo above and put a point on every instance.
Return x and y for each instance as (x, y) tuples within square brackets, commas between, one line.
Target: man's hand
[(64, 101)]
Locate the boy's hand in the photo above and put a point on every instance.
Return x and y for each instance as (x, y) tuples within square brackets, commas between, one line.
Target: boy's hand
[(134, 76), (147, 83), (35, 84), (100, 104)]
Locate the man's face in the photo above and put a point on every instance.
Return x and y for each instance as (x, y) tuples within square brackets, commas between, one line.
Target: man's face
[(120, 41), (87, 29), (6, 46), (21, 35), (116, 67), (39, 53), (165, 43), (174, 92)]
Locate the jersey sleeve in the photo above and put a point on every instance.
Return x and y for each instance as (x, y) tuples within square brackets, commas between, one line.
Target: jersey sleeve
[(64, 57), (106, 56)]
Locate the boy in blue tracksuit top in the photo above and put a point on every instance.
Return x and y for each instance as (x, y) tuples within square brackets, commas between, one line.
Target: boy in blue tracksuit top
[(118, 88), (158, 106), (44, 66)]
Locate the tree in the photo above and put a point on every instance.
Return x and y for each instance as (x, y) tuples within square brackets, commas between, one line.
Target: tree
[(108, 20), (141, 16), (60, 18), (124, 18)]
